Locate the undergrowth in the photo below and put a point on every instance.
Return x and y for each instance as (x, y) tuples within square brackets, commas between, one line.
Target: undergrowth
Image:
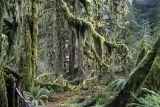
[(151, 99)]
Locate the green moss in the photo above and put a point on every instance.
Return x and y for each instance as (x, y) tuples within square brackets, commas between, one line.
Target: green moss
[(141, 55), (140, 73), (3, 93), (86, 30), (27, 64), (34, 33), (152, 81), (30, 38)]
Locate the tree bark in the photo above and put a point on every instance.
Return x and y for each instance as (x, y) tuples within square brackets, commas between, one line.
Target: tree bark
[(72, 52)]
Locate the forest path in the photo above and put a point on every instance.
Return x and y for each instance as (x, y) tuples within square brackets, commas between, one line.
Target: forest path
[(71, 98)]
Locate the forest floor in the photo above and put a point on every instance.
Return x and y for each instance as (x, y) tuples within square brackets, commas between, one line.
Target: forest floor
[(71, 98)]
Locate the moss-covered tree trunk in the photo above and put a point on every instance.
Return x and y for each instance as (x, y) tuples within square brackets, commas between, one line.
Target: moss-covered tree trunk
[(136, 78), (26, 61), (152, 80), (3, 93), (34, 34), (29, 56)]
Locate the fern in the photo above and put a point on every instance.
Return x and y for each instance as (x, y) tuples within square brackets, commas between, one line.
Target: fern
[(152, 99), (117, 85), (37, 95)]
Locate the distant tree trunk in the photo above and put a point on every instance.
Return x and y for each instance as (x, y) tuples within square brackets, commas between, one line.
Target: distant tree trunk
[(80, 47), (60, 33), (72, 48), (75, 48), (136, 78)]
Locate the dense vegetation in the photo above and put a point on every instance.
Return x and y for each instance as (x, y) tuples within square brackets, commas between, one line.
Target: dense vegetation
[(87, 53)]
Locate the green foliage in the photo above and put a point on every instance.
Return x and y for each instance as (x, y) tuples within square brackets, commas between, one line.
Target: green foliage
[(151, 99), (49, 81), (117, 85), (37, 96)]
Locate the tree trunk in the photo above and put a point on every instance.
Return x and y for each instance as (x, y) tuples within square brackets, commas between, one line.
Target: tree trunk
[(152, 81), (3, 92), (34, 34), (28, 62), (136, 78), (72, 52)]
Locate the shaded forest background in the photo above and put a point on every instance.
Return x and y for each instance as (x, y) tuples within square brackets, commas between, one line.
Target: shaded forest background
[(107, 48)]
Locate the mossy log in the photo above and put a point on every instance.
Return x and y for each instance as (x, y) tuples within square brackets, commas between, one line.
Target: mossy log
[(136, 77)]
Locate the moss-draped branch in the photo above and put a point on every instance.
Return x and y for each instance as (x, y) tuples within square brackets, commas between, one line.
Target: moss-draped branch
[(82, 26)]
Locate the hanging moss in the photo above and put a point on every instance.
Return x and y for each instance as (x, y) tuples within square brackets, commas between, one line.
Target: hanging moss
[(3, 93), (82, 26)]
